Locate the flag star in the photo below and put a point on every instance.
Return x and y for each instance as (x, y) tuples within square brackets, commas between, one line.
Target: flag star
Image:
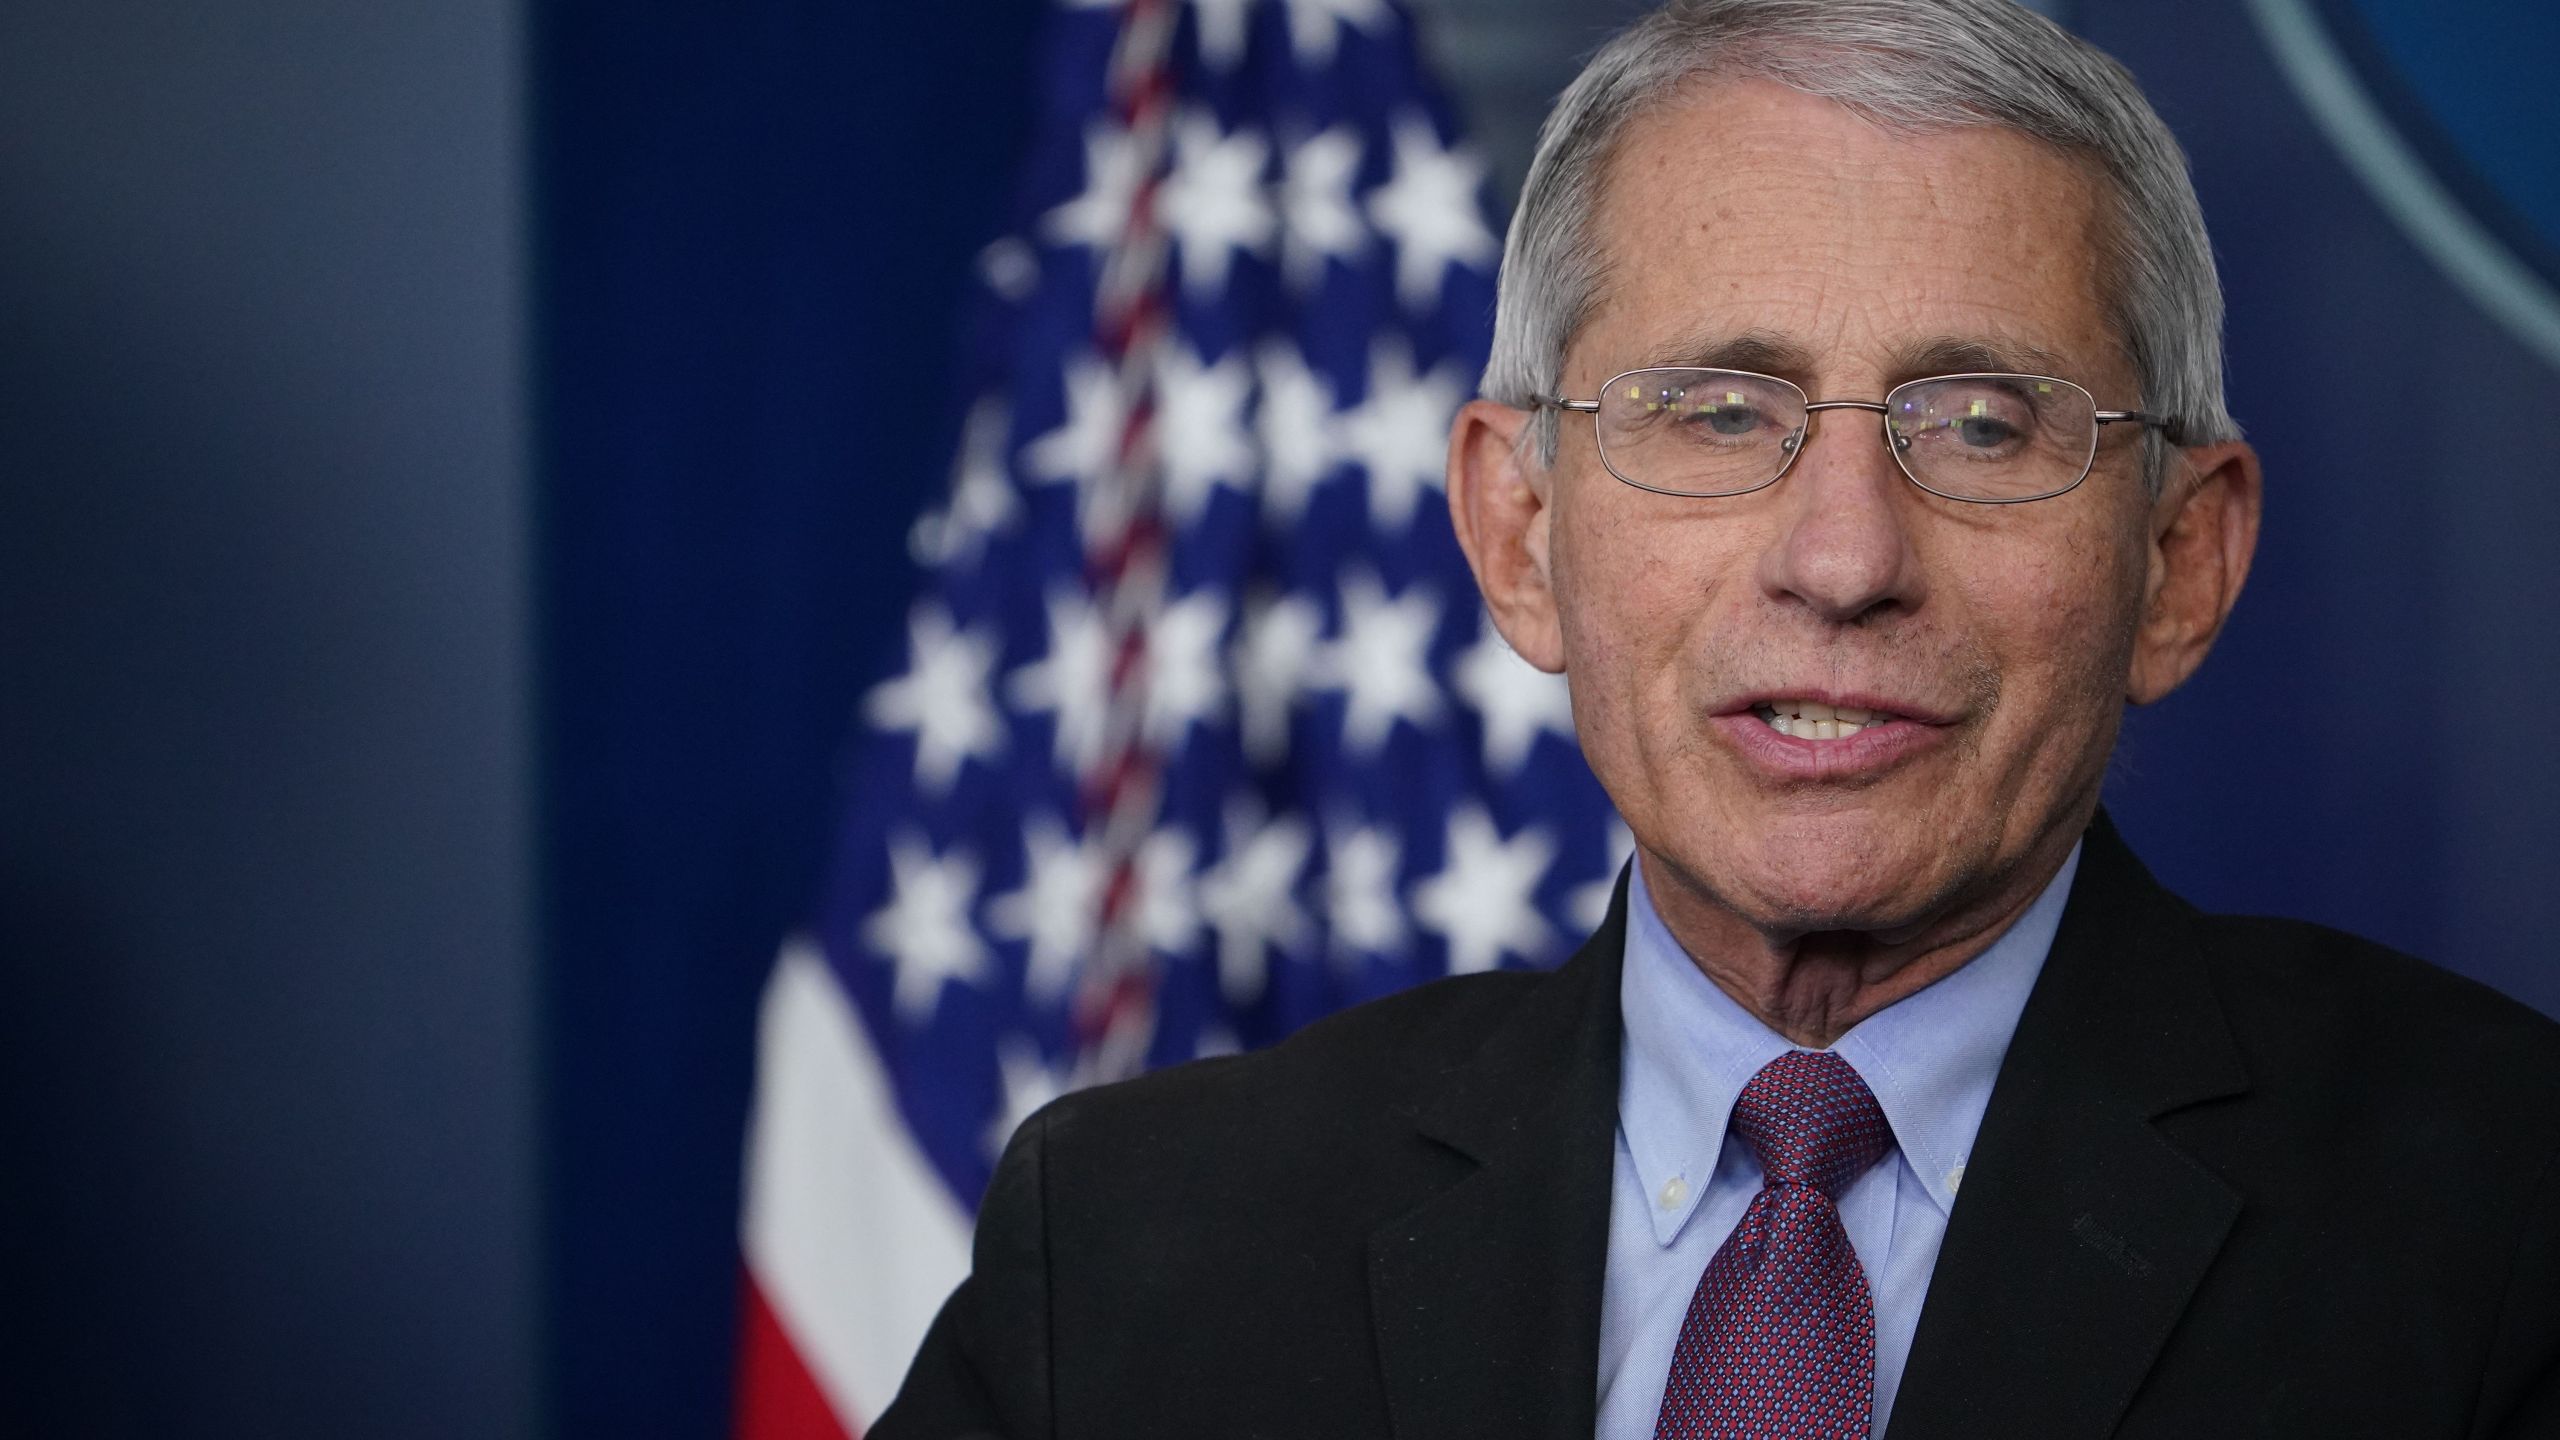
[(1055, 911), (1200, 428), (1400, 433), (1113, 166), (1250, 898), (1213, 203), (1484, 899), (1225, 25), (1360, 892), (1275, 643), (1072, 681), (1010, 268), (1085, 450), (1029, 1083), (982, 497), (1184, 679), (1590, 902), (1168, 915), (1299, 444), (942, 697), (1429, 207), (1315, 25), (1380, 660), (1516, 700), (924, 929), (1317, 218)]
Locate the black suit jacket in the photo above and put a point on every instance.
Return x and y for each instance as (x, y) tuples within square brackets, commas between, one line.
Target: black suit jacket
[(2238, 1177)]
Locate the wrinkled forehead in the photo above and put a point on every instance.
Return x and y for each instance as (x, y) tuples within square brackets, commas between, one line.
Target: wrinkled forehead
[(1743, 213)]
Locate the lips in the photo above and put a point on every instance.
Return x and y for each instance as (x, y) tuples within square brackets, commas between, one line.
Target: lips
[(1813, 720), (1848, 712), (1831, 736)]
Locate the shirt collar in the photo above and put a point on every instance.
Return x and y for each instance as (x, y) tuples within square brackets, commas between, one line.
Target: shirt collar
[(1930, 1057)]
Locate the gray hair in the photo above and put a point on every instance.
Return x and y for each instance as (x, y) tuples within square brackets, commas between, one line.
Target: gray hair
[(1911, 66)]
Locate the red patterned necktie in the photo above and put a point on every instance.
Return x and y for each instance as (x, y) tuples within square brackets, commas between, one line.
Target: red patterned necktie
[(1780, 1339)]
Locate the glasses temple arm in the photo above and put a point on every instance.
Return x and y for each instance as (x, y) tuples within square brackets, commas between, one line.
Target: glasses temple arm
[(2168, 427)]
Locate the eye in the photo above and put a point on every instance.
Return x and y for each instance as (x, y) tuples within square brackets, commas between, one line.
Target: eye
[(1720, 412), (1982, 432), (1726, 418), (1971, 417)]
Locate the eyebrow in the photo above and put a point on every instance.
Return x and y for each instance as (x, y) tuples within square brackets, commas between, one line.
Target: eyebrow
[(1961, 354), (1767, 352), (1763, 352)]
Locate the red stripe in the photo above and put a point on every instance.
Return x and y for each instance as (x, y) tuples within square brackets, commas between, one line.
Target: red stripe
[(778, 1399)]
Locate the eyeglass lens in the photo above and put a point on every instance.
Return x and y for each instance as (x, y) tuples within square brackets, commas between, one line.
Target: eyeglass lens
[(1967, 437)]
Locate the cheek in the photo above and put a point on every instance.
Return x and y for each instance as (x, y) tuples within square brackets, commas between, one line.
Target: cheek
[(2068, 621), (1602, 625), (1618, 595), (1648, 592), (1633, 580)]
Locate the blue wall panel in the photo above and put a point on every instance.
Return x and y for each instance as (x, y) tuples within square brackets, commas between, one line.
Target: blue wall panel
[(2360, 750), (266, 1048), (754, 225)]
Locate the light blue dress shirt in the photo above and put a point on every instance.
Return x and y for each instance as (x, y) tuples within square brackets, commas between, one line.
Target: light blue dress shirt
[(1680, 1186)]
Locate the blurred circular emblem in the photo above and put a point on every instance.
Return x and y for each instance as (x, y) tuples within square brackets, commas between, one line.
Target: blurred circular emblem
[(2447, 115)]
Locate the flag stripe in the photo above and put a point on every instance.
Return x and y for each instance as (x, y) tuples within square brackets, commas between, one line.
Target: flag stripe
[(852, 1239), (778, 1399)]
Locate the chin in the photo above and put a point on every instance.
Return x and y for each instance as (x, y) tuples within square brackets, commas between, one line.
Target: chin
[(1800, 904), (1831, 873)]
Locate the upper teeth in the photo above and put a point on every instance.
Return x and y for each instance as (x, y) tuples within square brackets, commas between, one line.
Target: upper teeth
[(1813, 720)]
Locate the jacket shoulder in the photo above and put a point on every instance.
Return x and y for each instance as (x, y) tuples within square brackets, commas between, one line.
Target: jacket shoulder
[(2345, 986), (2357, 1029), (1361, 1059)]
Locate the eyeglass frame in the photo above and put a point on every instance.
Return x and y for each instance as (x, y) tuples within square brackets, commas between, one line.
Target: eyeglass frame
[(1895, 444)]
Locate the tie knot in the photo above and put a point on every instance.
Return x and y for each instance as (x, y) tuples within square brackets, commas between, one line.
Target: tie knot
[(1811, 1121)]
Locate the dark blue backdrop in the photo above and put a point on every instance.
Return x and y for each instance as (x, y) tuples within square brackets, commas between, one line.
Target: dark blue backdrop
[(752, 224), (2358, 751), (266, 598)]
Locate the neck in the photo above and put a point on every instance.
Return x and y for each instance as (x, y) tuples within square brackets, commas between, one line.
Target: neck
[(1814, 986)]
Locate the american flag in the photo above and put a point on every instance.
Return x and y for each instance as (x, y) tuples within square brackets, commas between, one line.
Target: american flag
[(1199, 732)]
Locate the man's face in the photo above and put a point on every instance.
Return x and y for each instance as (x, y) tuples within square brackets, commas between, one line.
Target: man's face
[(1994, 639)]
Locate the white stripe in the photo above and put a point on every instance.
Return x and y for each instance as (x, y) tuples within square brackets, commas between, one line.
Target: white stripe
[(2476, 261), (852, 1237)]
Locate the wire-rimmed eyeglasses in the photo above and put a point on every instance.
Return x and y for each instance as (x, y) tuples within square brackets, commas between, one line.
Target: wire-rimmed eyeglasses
[(1986, 438)]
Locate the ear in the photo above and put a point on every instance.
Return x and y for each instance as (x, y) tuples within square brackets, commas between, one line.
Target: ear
[(2204, 529), (1500, 502)]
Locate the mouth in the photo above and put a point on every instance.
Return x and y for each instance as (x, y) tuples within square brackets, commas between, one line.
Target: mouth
[(1847, 738), (1814, 720)]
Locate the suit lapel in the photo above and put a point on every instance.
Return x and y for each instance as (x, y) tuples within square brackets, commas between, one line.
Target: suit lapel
[(1486, 1298), (2080, 1232)]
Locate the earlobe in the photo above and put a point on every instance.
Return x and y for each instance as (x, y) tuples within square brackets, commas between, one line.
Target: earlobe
[(1499, 502), (2203, 534)]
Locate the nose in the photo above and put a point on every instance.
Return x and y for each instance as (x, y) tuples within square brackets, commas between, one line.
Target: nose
[(1844, 548)]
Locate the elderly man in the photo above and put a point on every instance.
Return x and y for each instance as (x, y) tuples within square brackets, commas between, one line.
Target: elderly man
[(1854, 445)]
